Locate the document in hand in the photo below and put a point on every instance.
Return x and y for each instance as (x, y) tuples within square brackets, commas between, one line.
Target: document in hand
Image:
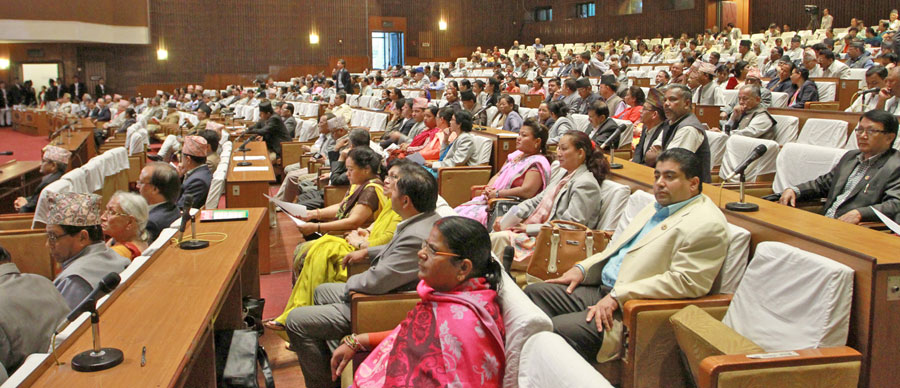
[(293, 209)]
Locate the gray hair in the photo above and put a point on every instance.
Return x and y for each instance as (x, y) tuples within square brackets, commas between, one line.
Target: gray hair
[(754, 89), (683, 90), (135, 206)]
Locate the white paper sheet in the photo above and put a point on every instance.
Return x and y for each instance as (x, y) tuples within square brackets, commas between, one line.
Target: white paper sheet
[(293, 209), (887, 221), (416, 157), (251, 168), (251, 157), (296, 220), (509, 219)]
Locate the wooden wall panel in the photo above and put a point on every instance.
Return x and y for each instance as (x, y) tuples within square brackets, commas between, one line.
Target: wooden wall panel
[(566, 28), (764, 12)]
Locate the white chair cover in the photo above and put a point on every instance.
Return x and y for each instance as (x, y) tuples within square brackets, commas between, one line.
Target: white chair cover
[(308, 130), (77, 180), (780, 99), (860, 76), (31, 363), (378, 121), (527, 113), (614, 200), (627, 136), (827, 91), (216, 188), (483, 147), (735, 261), (138, 141), (522, 319), (187, 116), (716, 147), (517, 98), (491, 112), (730, 96), (786, 128), (798, 163), (549, 361), (636, 202), (581, 121), (736, 150), (93, 173), (791, 299), (824, 132)]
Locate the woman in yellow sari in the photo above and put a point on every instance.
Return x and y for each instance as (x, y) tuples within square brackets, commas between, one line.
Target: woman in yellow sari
[(319, 261)]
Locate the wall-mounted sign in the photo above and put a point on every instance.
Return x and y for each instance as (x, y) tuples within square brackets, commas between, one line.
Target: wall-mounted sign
[(387, 24), (426, 44)]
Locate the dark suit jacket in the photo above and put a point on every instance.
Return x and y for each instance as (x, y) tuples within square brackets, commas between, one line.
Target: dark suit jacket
[(50, 94), (345, 80), (196, 184), (98, 92), (7, 99), (782, 86), (160, 218), (80, 92), (881, 190), (29, 98), (104, 114), (32, 200), (273, 133), (16, 94), (808, 92), (604, 132)]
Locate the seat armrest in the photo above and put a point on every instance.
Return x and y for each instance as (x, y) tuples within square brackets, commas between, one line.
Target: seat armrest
[(477, 190), (634, 307), (712, 367), (357, 268), (373, 313)]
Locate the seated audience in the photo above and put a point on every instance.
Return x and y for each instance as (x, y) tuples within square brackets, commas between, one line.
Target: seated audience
[(832, 68), (858, 57), (702, 85), (653, 116), (863, 180), (459, 310), (586, 96), (393, 268), (544, 117), (875, 79), (889, 96), (739, 73), (507, 117), (160, 186), (750, 118), (270, 128), (782, 80), (573, 194), (608, 90), (53, 165), (30, 310), (524, 174), (600, 125), (460, 151), (672, 249), (125, 221), (196, 176), (807, 91), (75, 239), (562, 124)]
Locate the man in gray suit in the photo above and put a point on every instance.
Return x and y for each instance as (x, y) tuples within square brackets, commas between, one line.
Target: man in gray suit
[(863, 180), (394, 267), (287, 115), (76, 242), (30, 309)]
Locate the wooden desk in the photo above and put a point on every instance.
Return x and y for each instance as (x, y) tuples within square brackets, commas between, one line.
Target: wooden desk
[(504, 144), (17, 179), (32, 122), (172, 306), (80, 144), (708, 114), (875, 313), (246, 189)]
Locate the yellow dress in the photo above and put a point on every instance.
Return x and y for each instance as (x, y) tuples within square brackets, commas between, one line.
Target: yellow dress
[(323, 255)]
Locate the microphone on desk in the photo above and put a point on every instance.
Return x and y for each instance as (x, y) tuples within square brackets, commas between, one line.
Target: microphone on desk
[(872, 90), (5, 153), (98, 358), (185, 214), (742, 206), (614, 139), (509, 253), (192, 243), (243, 148)]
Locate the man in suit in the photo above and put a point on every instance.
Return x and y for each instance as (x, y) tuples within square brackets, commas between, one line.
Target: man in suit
[(586, 96), (652, 118), (29, 312), (864, 180), (608, 87), (341, 77), (394, 268), (197, 176), (6, 104), (673, 249), (101, 89), (160, 185), (77, 89), (75, 239), (60, 88), (750, 118), (103, 113), (832, 68), (51, 94), (271, 129), (600, 126), (54, 164), (286, 112), (682, 130)]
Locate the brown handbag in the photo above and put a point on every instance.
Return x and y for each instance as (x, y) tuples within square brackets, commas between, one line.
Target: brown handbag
[(558, 249)]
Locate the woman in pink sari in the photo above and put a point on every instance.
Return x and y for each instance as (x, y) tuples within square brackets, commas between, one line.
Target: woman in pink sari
[(523, 176), (454, 335)]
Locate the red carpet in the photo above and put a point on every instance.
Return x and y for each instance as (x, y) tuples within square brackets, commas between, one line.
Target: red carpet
[(24, 147), (276, 289)]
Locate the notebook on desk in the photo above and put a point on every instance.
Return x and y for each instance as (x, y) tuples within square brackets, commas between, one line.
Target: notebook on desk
[(224, 215)]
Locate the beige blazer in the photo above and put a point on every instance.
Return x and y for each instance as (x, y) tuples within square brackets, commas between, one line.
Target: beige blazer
[(678, 259)]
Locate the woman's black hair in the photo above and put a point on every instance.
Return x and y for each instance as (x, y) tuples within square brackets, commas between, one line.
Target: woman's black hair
[(470, 240), (558, 108), (464, 119), (739, 68), (539, 131), (511, 101), (593, 160), (804, 73), (365, 157)]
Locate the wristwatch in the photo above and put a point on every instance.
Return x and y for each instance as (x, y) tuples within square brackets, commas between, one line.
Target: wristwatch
[(612, 293)]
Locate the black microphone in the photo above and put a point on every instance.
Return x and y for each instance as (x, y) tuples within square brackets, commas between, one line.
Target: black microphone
[(243, 147), (508, 254), (185, 213), (872, 90), (756, 153), (107, 285), (193, 243), (6, 153), (614, 137)]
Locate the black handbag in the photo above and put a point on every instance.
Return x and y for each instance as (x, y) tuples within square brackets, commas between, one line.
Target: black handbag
[(239, 359), (498, 208), (252, 312)]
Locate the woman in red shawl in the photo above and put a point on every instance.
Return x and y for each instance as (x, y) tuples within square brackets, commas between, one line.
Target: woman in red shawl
[(454, 335)]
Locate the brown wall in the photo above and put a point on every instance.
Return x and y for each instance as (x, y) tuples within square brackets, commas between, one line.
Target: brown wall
[(565, 28), (763, 12), (114, 12)]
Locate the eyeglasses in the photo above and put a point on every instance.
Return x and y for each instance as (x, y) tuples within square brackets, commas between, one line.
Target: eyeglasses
[(429, 251), (868, 131), (111, 212), (52, 238)]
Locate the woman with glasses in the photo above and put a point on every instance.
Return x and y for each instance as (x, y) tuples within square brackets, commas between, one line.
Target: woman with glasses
[(125, 221), (455, 334)]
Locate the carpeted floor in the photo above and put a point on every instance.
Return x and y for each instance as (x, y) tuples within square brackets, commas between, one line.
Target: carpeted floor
[(24, 147)]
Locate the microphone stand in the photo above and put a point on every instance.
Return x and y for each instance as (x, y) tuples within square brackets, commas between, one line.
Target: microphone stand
[(193, 243), (742, 206), (98, 358), (612, 155)]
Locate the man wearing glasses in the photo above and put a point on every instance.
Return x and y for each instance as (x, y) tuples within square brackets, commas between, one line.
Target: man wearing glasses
[(75, 239), (863, 180)]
